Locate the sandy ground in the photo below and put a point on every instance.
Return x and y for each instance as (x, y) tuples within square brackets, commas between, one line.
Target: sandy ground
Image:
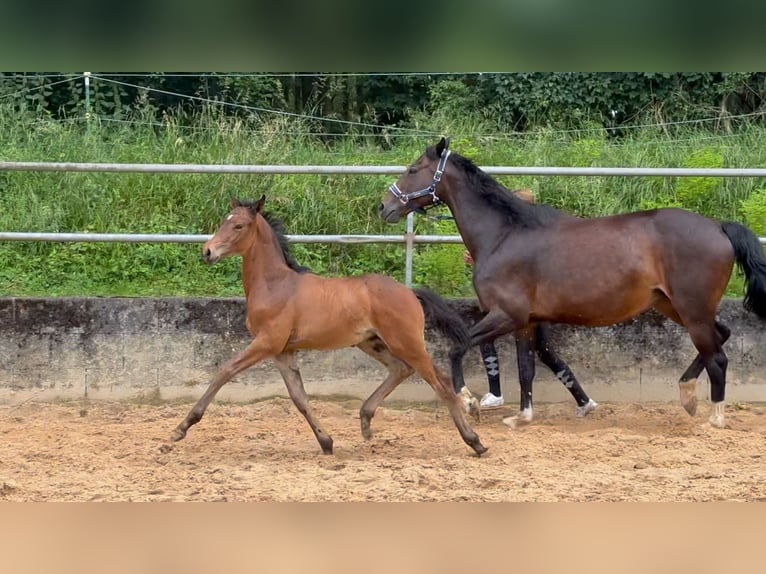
[(265, 451)]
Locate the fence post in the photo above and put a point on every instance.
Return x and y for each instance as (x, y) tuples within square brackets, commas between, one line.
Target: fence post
[(86, 76), (409, 241)]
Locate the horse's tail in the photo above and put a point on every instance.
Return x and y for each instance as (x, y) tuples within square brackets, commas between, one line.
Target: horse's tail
[(443, 317), (749, 255)]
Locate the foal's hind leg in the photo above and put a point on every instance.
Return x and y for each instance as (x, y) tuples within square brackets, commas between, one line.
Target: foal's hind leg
[(411, 350), (397, 372), (292, 377), (558, 367)]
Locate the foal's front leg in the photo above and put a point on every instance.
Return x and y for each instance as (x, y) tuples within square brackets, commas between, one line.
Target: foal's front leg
[(256, 351), (292, 377)]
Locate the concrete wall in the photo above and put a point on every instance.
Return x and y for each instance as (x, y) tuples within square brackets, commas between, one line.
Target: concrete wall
[(115, 348)]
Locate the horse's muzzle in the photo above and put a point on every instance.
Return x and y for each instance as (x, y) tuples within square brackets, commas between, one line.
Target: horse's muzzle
[(389, 214)]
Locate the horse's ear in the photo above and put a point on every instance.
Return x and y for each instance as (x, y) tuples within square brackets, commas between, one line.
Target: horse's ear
[(442, 145), (258, 207), (235, 203)]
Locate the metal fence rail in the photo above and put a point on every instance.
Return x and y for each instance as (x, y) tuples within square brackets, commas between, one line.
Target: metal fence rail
[(181, 238), (195, 168), (409, 238)]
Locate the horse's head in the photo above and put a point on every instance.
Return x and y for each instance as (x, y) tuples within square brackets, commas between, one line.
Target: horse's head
[(231, 237), (418, 188)]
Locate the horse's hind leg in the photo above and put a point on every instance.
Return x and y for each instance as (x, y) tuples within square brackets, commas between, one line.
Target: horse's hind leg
[(707, 340), (255, 352), (688, 382), (397, 372), (292, 377), (558, 367)]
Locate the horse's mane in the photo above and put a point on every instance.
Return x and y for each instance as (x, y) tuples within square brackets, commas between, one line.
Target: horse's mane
[(278, 227), (517, 211)]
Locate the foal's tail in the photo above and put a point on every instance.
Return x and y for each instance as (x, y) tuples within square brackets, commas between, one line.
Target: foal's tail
[(749, 255), (443, 317)]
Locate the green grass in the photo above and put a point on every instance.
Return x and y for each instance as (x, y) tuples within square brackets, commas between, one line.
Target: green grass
[(310, 204)]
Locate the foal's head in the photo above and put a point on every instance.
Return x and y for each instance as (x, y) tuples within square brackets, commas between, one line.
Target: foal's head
[(235, 233), (418, 188)]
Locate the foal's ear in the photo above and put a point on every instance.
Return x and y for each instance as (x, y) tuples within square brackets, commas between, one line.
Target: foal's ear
[(442, 145), (235, 203), (258, 207)]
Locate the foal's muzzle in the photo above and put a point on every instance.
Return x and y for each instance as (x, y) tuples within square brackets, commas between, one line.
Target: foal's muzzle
[(208, 256)]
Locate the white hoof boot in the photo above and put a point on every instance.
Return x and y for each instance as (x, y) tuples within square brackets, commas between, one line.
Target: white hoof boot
[(586, 409), (522, 419), (716, 417)]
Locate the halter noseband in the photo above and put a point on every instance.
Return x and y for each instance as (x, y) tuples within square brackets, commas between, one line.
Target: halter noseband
[(405, 198)]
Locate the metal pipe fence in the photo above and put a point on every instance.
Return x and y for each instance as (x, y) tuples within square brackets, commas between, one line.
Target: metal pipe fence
[(410, 239)]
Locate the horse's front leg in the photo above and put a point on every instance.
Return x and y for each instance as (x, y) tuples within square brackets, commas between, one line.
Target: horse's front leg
[(292, 377), (494, 324), (525, 361), (256, 351)]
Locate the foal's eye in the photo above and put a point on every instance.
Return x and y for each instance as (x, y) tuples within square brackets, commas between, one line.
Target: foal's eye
[(412, 170), (238, 226)]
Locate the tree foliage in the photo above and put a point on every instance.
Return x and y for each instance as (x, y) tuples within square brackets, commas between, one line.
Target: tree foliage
[(519, 101)]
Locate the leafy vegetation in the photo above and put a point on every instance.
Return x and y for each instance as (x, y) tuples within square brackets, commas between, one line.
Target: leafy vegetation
[(311, 204)]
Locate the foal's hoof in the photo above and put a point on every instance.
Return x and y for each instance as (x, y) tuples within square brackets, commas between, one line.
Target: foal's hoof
[(177, 435), (688, 390), (326, 446), (470, 404), (586, 409), (480, 449)]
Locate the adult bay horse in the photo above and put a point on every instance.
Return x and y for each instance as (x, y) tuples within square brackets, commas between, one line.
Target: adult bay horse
[(289, 309), (531, 267)]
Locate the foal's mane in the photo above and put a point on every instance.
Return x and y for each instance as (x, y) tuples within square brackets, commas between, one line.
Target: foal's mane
[(278, 227), (517, 211)]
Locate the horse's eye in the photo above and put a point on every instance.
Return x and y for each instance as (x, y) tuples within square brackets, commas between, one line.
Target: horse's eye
[(238, 226), (412, 170)]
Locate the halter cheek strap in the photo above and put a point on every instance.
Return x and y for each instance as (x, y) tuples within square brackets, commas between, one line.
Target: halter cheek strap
[(405, 198)]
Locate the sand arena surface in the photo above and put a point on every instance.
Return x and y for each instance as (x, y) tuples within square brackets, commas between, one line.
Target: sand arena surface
[(266, 451)]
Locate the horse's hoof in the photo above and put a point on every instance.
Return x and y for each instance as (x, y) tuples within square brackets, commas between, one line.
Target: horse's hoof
[(586, 409), (716, 418), (688, 390), (178, 434), (516, 421), (717, 421)]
